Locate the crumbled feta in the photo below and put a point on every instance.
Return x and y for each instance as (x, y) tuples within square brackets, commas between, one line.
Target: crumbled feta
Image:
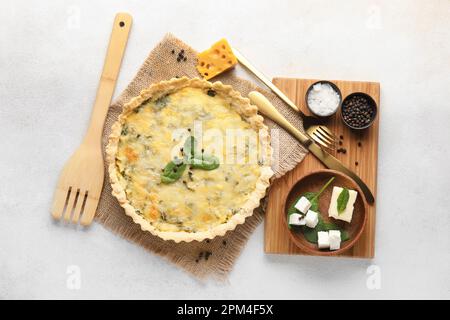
[(303, 205), (311, 219), (334, 239), (296, 219), (323, 239)]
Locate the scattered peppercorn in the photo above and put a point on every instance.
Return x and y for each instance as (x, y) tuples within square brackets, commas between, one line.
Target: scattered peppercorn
[(208, 241), (178, 59), (340, 143), (341, 137), (356, 163), (224, 242), (185, 59), (207, 255), (173, 51), (359, 144), (196, 260), (211, 93)]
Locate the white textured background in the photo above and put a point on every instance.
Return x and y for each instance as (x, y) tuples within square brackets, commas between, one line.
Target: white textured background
[(51, 54)]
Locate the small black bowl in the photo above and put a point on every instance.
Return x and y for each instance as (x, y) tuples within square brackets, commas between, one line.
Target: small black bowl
[(335, 88), (371, 103)]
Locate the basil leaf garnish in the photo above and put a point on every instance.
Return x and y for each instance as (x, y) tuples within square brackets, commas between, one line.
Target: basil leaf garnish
[(172, 172), (175, 168), (342, 200)]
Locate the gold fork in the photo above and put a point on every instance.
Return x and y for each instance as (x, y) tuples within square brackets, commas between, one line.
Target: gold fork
[(317, 131), (80, 183)]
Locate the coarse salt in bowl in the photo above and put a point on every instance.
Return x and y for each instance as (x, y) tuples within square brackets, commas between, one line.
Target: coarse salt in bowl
[(323, 98)]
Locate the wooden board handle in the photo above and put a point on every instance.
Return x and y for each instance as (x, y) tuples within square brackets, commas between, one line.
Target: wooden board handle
[(108, 79)]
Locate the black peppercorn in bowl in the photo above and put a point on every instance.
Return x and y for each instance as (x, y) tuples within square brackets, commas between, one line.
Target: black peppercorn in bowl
[(358, 110)]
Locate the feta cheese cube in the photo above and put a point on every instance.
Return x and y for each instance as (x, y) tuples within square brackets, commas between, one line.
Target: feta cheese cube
[(311, 219), (334, 239), (347, 214), (323, 240), (303, 205), (296, 219)]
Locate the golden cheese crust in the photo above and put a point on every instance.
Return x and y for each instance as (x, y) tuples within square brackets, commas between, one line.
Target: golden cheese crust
[(150, 132)]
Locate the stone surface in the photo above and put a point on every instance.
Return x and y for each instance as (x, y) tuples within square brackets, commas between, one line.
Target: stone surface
[(50, 60)]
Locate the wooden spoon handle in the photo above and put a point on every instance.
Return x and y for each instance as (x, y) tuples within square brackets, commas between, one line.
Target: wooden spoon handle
[(108, 79)]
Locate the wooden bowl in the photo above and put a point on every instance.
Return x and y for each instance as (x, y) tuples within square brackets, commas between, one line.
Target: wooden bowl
[(313, 182)]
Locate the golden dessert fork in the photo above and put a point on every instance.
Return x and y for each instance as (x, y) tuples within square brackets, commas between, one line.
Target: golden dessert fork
[(317, 131), (80, 183)]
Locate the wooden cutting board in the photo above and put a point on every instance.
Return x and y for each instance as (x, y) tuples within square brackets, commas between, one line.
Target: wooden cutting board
[(361, 156)]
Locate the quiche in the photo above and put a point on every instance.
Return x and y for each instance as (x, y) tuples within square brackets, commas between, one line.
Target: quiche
[(189, 159)]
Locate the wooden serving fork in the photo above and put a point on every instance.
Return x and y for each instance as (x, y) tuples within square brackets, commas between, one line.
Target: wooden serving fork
[(80, 183)]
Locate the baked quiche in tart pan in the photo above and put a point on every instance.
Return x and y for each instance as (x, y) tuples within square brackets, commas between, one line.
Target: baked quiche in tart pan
[(180, 184)]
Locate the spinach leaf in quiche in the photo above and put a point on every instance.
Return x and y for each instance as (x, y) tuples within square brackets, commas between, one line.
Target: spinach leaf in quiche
[(161, 102)]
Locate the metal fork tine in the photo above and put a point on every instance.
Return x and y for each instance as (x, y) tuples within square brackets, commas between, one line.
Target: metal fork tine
[(59, 202), (78, 207), (70, 204), (323, 137), (327, 132), (319, 141), (89, 211)]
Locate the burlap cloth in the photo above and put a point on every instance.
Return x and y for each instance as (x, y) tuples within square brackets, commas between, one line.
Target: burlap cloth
[(212, 257)]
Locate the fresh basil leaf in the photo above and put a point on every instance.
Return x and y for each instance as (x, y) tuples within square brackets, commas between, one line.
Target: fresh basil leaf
[(190, 145), (310, 234), (205, 162), (172, 172), (344, 235), (342, 200)]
